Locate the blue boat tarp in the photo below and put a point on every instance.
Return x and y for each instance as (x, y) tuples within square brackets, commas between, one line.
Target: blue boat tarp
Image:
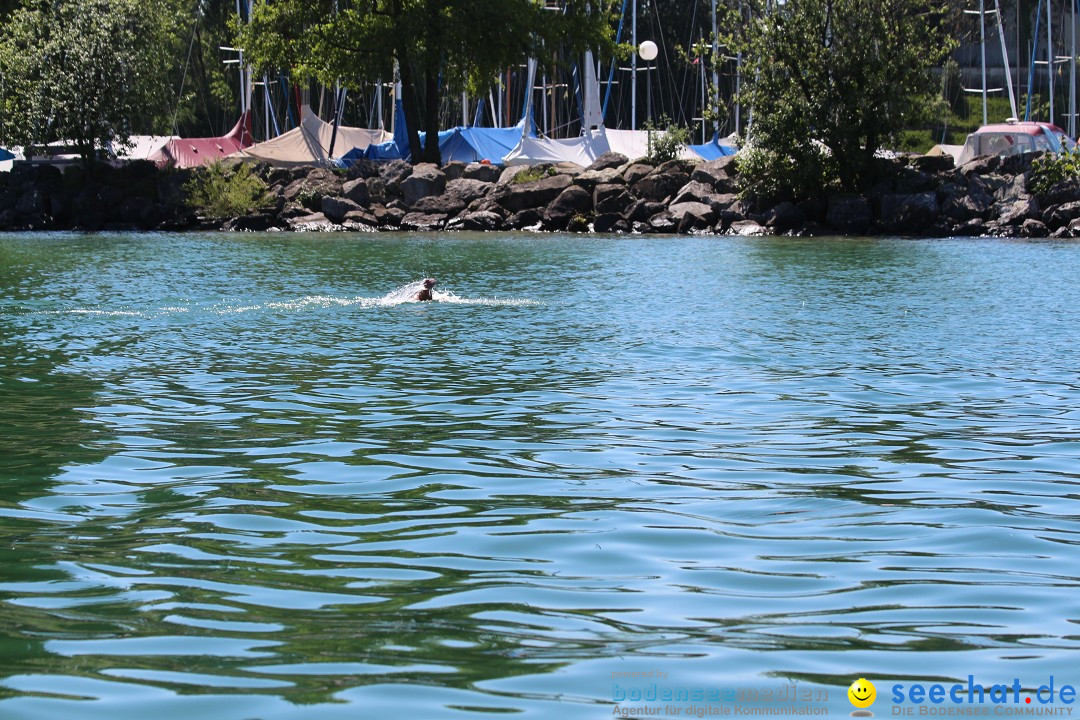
[(462, 144), (713, 150), (5, 155)]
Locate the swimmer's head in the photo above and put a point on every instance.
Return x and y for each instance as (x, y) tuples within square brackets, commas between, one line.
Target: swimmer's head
[(429, 283)]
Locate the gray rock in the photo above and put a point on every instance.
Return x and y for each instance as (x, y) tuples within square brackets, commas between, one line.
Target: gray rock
[(426, 180), (719, 173), (591, 178), (611, 199), (1032, 228), (982, 165), (658, 186), (785, 217), (1061, 215), (480, 221), (642, 210), (355, 219), (454, 170), (1018, 211), (690, 216), (527, 218), (695, 191), (962, 208), (971, 228), (311, 222), (609, 222), (1074, 228), (1012, 190), (934, 164), (636, 172), (746, 227), (849, 214), (335, 208), (535, 194), (33, 202), (357, 191), (447, 204), (909, 214), (608, 161), (482, 171), (663, 222), (388, 216), (572, 201), (423, 222)]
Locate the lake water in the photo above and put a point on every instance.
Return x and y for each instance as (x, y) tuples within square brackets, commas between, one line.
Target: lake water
[(240, 481)]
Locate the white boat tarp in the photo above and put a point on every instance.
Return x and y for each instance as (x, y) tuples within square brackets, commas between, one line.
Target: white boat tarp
[(583, 150), (309, 143)]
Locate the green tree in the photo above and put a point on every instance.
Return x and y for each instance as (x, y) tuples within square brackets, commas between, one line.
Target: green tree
[(87, 71), (829, 82), (443, 46)]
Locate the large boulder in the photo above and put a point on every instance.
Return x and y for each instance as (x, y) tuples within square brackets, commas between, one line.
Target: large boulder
[(484, 172), (336, 208), (609, 222), (423, 222), (478, 221), (426, 180), (785, 217), (572, 201), (1015, 212), (909, 214), (636, 172), (690, 216), (982, 165), (608, 161), (660, 185), (527, 218), (719, 173), (591, 178), (1059, 215), (968, 206), (357, 191), (459, 194), (849, 214), (516, 197), (611, 199)]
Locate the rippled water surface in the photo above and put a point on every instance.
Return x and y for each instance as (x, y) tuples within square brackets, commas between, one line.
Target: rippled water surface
[(242, 479)]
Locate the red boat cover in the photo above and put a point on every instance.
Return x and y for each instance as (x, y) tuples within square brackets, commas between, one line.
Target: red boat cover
[(193, 152)]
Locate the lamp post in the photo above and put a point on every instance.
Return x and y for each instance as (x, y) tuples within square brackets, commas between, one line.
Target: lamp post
[(648, 51)]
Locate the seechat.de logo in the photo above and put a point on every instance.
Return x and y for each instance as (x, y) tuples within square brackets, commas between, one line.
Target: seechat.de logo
[(862, 694)]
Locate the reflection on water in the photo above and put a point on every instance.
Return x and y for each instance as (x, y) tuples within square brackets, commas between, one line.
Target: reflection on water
[(244, 477)]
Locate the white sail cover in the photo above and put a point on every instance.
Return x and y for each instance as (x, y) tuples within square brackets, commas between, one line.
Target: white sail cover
[(634, 144), (309, 143)]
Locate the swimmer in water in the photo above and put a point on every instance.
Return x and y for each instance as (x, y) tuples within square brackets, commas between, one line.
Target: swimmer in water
[(425, 294)]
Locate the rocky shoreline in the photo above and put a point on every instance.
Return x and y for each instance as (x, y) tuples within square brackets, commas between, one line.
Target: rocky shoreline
[(920, 196)]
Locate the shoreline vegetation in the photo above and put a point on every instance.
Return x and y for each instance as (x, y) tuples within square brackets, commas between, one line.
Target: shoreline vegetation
[(916, 196)]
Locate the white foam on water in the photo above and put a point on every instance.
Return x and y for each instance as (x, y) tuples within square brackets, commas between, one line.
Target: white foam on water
[(406, 294)]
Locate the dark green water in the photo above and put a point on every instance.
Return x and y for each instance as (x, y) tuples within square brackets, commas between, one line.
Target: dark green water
[(236, 483)]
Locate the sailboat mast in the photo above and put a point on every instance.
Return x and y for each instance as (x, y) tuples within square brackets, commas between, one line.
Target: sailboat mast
[(1050, 59), (1072, 73), (633, 69), (982, 51), (715, 74)]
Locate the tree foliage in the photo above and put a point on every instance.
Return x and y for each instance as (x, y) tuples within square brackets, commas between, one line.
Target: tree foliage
[(88, 71), (829, 82), (442, 46)]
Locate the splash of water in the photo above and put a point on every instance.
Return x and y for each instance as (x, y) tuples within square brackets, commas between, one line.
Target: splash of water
[(402, 295)]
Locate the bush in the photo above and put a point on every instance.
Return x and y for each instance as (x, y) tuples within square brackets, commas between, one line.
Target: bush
[(667, 145), (220, 191), (1050, 169), (530, 174)]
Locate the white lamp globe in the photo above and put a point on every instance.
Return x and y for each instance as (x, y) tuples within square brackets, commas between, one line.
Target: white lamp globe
[(647, 51)]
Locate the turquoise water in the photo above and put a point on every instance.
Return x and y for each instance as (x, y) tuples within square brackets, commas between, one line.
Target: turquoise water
[(241, 481)]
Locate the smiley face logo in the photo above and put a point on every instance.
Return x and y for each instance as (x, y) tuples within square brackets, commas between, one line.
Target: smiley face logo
[(862, 693)]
